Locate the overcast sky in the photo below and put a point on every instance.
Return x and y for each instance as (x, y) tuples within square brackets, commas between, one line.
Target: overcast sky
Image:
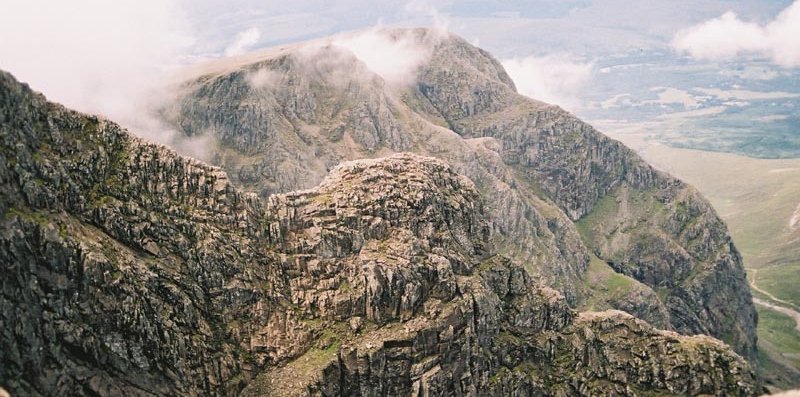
[(102, 56)]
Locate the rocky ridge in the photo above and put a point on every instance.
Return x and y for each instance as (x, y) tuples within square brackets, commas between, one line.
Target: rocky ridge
[(131, 270), (285, 117)]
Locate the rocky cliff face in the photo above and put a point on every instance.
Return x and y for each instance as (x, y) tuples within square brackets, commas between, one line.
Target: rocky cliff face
[(283, 118), (131, 270), (124, 264)]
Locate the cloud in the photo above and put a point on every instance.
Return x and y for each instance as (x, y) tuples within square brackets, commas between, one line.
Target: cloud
[(263, 79), (745, 94), (422, 9), (197, 146), (395, 55), (104, 57), (728, 37), (557, 79), (243, 41), (670, 96)]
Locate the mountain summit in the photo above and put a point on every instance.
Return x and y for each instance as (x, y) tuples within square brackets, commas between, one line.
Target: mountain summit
[(284, 117), (367, 230)]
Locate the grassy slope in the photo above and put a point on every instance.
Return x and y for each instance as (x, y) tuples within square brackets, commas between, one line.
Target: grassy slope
[(605, 285), (779, 347)]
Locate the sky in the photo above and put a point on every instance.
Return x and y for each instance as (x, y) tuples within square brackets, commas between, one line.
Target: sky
[(108, 57)]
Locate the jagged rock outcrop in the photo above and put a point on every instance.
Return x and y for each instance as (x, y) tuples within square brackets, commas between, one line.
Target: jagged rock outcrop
[(131, 270), (321, 106), (551, 371), (124, 264), (284, 117)]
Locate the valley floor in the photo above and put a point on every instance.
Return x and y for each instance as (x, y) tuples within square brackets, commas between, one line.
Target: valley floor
[(780, 309)]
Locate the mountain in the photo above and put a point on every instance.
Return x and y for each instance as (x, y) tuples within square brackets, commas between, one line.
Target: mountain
[(284, 117), (131, 270), (757, 198)]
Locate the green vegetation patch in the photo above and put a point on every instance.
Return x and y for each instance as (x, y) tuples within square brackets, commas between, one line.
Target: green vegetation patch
[(507, 338), (604, 285), (36, 216), (606, 208), (777, 336), (781, 281)]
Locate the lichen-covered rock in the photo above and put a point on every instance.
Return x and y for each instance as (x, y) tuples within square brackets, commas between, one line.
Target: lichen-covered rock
[(129, 270), (538, 167), (503, 336), (124, 265)]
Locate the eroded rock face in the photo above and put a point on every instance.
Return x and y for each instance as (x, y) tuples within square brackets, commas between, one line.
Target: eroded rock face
[(124, 265), (538, 168), (349, 113), (131, 270)]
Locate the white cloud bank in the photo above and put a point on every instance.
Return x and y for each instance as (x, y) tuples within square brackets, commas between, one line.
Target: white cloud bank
[(728, 36), (556, 79), (111, 58), (96, 56), (394, 55), (423, 9), (244, 40)]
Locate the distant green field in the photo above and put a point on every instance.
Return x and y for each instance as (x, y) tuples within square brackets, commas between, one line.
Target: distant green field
[(782, 282), (779, 347), (779, 330)]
